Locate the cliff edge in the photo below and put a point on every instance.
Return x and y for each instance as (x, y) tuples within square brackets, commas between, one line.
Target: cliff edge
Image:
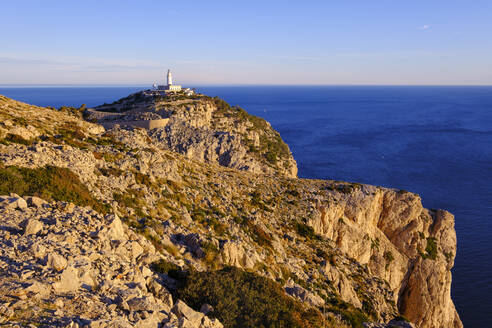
[(145, 235)]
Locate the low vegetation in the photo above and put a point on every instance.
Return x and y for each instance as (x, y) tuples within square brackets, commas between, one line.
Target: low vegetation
[(14, 138), (430, 249), (305, 231), (242, 299), (49, 183)]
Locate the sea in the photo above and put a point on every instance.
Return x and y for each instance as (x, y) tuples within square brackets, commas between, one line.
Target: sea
[(435, 141)]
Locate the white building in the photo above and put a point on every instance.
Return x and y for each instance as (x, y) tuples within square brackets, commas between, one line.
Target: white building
[(170, 87)]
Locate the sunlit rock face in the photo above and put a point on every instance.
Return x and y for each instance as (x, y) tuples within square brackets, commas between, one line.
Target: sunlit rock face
[(113, 202)]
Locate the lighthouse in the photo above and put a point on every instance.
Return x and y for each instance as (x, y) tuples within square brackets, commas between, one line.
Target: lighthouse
[(170, 87), (169, 78)]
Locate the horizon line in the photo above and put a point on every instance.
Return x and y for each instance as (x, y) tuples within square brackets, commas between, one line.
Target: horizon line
[(68, 85)]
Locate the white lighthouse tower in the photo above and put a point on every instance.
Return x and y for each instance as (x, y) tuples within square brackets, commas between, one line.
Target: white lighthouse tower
[(169, 77), (170, 87)]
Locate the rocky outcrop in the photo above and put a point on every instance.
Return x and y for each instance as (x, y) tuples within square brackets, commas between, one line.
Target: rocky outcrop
[(82, 269), (400, 241), (206, 129), (344, 249)]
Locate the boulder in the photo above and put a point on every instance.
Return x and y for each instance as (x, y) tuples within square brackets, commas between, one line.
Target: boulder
[(20, 203), (34, 201), (235, 253), (69, 281), (116, 230), (13, 202), (145, 303), (56, 262), (303, 294), (206, 308), (33, 226), (184, 311), (96, 129), (38, 250), (39, 288), (136, 249)]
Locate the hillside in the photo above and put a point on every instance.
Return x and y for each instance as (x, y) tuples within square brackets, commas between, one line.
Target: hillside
[(205, 129), (142, 228)]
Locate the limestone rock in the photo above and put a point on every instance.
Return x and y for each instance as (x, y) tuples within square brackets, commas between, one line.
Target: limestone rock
[(141, 304), (187, 317), (205, 177), (13, 202), (184, 311), (69, 281), (33, 227), (234, 253), (303, 294), (56, 262), (116, 231), (34, 201)]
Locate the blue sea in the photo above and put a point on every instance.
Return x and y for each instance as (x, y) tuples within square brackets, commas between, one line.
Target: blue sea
[(434, 141)]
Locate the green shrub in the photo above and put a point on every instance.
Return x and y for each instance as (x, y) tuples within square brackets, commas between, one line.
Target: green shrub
[(352, 315), (388, 256), (16, 139), (131, 199), (375, 243), (348, 188), (142, 179), (256, 200), (208, 218), (169, 268), (77, 112), (430, 249), (271, 157), (244, 299), (111, 171), (305, 231), (50, 183), (260, 236)]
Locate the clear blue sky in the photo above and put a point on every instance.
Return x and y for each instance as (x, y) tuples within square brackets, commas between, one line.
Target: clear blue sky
[(246, 42)]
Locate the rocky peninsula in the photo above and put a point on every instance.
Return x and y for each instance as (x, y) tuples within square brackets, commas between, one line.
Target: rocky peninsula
[(202, 222)]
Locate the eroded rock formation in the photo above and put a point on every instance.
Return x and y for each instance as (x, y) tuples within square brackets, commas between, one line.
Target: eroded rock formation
[(356, 253)]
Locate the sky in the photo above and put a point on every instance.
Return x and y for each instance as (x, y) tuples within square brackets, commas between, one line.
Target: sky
[(330, 42)]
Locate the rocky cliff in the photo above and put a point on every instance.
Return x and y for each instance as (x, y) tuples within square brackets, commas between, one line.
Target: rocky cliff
[(333, 253), (206, 129)]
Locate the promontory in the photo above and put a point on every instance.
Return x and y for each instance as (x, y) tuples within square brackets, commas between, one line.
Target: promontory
[(184, 211)]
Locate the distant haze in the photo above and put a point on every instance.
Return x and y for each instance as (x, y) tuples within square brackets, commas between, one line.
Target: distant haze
[(438, 42)]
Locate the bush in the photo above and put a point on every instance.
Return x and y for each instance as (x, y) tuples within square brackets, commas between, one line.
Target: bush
[(111, 171), (430, 249), (16, 139), (388, 256), (260, 236), (142, 179), (244, 299), (305, 231), (49, 183), (169, 268), (354, 316), (131, 199)]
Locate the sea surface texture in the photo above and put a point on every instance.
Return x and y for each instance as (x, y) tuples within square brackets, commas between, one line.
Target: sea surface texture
[(434, 141)]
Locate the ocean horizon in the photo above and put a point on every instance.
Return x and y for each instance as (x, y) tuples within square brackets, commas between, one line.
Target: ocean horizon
[(435, 141)]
